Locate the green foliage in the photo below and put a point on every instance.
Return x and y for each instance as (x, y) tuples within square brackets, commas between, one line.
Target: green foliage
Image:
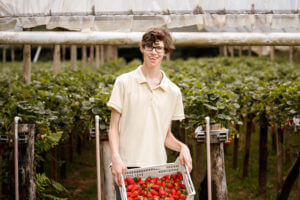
[(226, 89), (48, 189)]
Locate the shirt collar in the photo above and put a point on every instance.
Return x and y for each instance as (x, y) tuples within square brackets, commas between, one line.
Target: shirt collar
[(141, 78)]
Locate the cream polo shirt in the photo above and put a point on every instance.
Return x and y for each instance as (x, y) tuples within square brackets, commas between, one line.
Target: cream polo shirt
[(146, 114)]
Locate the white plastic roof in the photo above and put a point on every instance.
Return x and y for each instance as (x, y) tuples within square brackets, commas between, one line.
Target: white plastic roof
[(139, 15)]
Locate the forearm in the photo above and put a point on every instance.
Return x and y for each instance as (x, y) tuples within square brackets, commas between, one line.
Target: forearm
[(114, 143), (172, 143), (113, 134)]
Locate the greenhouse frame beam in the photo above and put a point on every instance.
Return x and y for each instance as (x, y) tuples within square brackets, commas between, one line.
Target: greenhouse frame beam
[(133, 38)]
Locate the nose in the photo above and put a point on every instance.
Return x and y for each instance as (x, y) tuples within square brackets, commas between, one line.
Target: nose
[(153, 50)]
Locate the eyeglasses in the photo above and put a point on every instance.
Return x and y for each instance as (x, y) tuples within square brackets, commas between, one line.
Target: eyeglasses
[(158, 49)]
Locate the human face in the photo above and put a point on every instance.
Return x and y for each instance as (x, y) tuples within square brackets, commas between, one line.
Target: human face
[(153, 55)]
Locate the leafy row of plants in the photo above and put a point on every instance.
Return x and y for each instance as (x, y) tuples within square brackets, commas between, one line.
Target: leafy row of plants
[(226, 89)]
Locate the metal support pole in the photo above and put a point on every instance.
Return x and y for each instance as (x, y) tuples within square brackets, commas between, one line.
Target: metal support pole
[(97, 118), (207, 120), (16, 121)]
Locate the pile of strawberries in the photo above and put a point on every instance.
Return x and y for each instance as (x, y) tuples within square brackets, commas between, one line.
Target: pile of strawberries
[(169, 187)]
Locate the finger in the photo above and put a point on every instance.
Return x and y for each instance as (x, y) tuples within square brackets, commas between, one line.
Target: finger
[(181, 160), (120, 181), (123, 170)]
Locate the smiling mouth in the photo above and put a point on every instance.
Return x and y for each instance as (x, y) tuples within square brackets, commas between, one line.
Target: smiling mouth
[(151, 58)]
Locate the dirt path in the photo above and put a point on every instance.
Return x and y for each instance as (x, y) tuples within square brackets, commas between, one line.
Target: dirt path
[(82, 175)]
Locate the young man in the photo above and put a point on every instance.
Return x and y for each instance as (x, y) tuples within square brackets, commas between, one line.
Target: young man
[(144, 102)]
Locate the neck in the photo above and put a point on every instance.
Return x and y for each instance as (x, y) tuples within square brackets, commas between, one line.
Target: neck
[(151, 72)]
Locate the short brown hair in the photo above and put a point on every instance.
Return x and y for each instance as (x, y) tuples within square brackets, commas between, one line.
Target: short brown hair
[(154, 34)]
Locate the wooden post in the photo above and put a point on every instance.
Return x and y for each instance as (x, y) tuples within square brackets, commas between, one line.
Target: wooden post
[(249, 51), (225, 51), (231, 51), (27, 64), (56, 59), (102, 56), (221, 50), (240, 51), (73, 57), (272, 52), (279, 139), (4, 55), (111, 52), (63, 57), (84, 57), (109, 190), (12, 54), (27, 188), (291, 53), (97, 56), (218, 175), (260, 52), (91, 57)]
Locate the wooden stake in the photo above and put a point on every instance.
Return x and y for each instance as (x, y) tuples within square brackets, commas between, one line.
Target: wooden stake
[(4, 55), (12, 54), (84, 57), (56, 59), (91, 57), (225, 51), (272, 53), (102, 59), (73, 57), (221, 50), (231, 51), (249, 51), (291, 53), (26, 64), (97, 56), (240, 51), (260, 52)]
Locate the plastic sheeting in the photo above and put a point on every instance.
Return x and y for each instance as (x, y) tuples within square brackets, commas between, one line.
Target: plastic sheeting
[(139, 15)]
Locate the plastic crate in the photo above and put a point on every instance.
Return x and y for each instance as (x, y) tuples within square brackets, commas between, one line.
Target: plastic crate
[(160, 171)]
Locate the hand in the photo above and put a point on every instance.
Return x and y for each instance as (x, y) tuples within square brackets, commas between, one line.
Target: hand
[(118, 168), (185, 157)]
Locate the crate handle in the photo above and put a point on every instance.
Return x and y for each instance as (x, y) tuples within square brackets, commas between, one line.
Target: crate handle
[(191, 186), (123, 189)]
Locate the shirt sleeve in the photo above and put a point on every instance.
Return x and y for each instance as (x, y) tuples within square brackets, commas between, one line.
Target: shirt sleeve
[(117, 97), (179, 110)]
